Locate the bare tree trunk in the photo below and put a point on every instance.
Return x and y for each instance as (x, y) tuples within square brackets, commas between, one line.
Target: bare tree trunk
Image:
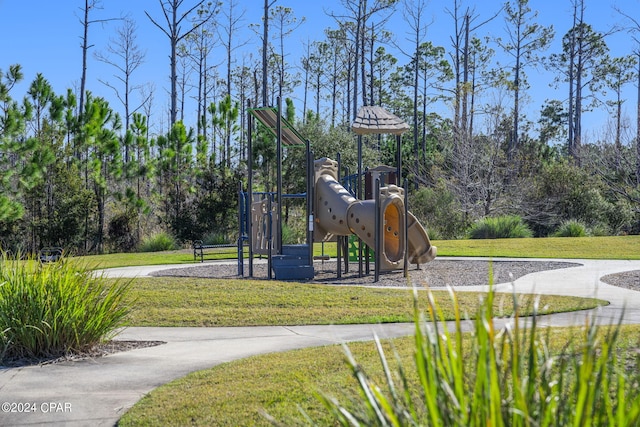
[(457, 102), (415, 109), (85, 47), (371, 72), (465, 81), (577, 57), (618, 142), (356, 60), (363, 48), (172, 31), (306, 67), (174, 72), (334, 88), (201, 108), (516, 107), (265, 47), (318, 94), (349, 88), (571, 112), (638, 126)]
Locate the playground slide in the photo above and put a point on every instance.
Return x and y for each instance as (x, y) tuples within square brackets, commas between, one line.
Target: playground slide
[(338, 213), (420, 248)]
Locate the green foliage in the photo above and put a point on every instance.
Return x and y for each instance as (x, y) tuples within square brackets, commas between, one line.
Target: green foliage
[(158, 242), (121, 237), (327, 143), (294, 231), (571, 228), (438, 210), (175, 170), (224, 120), (562, 191), (20, 167), (52, 309), (215, 238), (503, 227), (216, 204), (67, 176), (61, 221), (497, 377)]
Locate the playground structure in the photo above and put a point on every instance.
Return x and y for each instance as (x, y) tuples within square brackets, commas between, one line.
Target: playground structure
[(380, 218), (338, 213)]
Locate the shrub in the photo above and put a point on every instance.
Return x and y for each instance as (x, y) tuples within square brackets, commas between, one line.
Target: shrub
[(562, 191), (439, 211), (158, 242), (214, 238), (503, 227), (496, 377), (571, 228), (52, 309), (120, 233)]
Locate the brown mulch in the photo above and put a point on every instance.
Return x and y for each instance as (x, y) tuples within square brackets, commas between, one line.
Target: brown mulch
[(627, 280), (438, 273)]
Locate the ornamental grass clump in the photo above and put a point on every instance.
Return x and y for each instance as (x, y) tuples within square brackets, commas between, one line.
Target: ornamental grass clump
[(502, 227), (158, 242), (51, 310), (497, 376), (571, 228)]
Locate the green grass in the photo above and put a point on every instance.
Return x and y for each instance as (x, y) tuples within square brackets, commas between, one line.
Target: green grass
[(236, 393), (52, 309), (233, 394), (217, 302), (239, 392), (607, 247)]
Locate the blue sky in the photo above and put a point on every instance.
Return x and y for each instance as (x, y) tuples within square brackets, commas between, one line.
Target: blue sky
[(44, 36)]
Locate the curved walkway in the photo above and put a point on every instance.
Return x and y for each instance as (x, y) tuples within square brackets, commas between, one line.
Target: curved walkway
[(94, 392)]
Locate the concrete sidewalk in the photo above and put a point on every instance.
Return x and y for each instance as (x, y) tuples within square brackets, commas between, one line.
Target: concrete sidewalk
[(98, 391)]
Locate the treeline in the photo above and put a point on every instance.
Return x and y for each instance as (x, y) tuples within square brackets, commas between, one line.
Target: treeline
[(86, 184), (76, 173), (82, 182)]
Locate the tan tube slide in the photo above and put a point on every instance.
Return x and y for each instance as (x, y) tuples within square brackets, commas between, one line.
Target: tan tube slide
[(338, 213)]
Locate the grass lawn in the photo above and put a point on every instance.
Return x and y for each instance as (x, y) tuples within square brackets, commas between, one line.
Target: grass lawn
[(166, 301), (235, 393), (608, 247)]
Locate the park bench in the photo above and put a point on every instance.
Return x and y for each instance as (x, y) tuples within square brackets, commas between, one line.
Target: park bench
[(199, 247), (50, 254)]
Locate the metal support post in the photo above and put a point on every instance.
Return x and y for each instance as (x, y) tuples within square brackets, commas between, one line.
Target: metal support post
[(378, 232), (250, 187)]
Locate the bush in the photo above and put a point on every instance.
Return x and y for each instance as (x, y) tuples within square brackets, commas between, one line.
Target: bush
[(294, 229), (563, 192), (571, 228), (120, 233), (214, 238), (158, 242), (438, 211), (496, 377), (503, 227), (53, 309)]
